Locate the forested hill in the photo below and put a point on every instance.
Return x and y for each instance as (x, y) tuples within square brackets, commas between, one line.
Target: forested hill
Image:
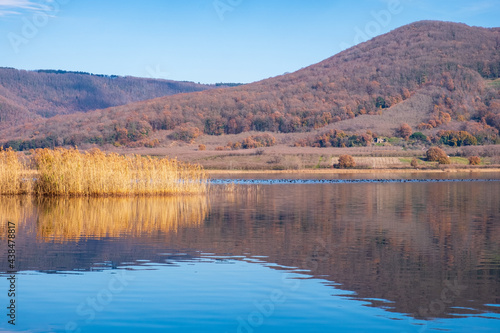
[(452, 65), (28, 95)]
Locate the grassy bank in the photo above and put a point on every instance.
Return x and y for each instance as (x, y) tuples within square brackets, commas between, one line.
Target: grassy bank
[(283, 157), (69, 172)]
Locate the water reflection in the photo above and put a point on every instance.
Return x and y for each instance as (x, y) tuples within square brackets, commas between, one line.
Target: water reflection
[(73, 219), (422, 249)]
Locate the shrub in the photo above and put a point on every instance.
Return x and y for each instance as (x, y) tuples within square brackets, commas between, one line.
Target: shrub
[(404, 131), (259, 151), (457, 138), (137, 130), (418, 136), (202, 147), (346, 161), (336, 138), (185, 133), (474, 160), (444, 160), (152, 143), (237, 145), (255, 141), (435, 154), (414, 162)]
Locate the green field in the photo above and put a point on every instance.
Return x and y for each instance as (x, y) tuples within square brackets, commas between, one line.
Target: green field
[(494, 83)]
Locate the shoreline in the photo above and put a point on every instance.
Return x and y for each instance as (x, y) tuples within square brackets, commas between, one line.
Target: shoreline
[(354, 171)]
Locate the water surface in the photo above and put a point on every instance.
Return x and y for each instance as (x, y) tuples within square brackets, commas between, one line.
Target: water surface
[(267, 257)]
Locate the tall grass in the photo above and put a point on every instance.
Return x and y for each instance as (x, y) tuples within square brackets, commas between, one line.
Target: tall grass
[(12, 171), (69, 172)]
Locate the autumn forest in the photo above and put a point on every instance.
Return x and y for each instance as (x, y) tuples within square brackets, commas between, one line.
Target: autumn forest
[(444, 74)]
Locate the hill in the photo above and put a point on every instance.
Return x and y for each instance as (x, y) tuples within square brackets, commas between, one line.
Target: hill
[(30, 95), (440, 74)]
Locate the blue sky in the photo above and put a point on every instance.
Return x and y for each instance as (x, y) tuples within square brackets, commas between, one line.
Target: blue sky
[(207, 41)]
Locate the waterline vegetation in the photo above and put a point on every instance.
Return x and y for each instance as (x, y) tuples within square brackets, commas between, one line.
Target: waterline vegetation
[(69, 172), (12, 173)]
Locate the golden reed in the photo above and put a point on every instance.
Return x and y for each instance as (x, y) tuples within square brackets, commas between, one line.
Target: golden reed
[(69, 172), (12, 173)]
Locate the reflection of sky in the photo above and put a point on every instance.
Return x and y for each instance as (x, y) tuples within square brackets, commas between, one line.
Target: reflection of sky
[(209, 295)]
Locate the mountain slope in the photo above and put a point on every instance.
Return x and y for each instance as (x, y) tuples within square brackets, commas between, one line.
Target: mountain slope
[(447, 63), (29, 95)]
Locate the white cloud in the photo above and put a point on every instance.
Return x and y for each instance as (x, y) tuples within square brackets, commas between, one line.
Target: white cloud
[(7, 12), (14, 7)]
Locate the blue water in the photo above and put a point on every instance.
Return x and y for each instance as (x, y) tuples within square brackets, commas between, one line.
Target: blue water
[(208, 295), (298, 255)]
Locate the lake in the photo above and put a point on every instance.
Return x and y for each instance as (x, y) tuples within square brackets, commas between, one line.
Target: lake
[(273, 253)]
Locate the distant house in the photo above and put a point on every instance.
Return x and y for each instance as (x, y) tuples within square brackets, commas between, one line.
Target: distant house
[(380, 140)]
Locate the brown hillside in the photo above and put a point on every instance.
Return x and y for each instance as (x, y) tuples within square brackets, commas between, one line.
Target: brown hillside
[(442, 65), (28, 95)]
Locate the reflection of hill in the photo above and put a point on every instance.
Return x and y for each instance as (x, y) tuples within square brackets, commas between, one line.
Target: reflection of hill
[(399, 242)]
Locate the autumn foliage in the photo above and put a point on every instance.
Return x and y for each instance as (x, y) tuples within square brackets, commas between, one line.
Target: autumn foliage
[(258, 141), (185, 133), (29, 95), (414, 162), (345, 162), (474, 160), (447, 62), (456, 138), (336, 138), (419, 136), (436, 154), (253, 141), (404, 131)]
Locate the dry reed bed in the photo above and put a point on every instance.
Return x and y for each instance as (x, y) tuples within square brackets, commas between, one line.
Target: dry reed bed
[(12, 170), (69, 172)]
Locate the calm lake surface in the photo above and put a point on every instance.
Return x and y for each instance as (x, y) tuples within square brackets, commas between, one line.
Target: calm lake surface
[(267, 256)]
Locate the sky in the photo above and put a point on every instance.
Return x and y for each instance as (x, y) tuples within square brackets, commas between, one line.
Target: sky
[(207, 41)]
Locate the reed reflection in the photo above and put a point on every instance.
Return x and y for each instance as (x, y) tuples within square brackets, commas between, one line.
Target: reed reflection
[(73, 219)]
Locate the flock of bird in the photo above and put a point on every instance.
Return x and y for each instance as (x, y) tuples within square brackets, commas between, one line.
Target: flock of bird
[(337, 181)]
